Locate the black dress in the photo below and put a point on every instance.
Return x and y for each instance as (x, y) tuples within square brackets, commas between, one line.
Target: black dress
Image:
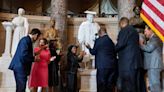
[(53, 67)]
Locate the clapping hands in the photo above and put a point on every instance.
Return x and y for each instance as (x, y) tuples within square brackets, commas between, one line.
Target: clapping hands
[(53, 58), (82, 53), (44, 46)]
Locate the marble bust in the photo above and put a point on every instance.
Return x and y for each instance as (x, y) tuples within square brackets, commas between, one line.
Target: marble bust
[(21, 27), (136, 20)]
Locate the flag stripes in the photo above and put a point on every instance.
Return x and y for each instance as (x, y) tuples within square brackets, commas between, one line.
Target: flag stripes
[(153, 14)]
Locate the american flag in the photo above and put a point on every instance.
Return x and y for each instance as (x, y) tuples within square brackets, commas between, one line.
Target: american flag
[(153, 14)]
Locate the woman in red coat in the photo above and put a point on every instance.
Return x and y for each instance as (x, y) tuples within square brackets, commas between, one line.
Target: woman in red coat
[(39, 72)]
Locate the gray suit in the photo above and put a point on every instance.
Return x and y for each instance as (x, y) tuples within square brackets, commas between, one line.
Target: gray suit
[(153, 62)]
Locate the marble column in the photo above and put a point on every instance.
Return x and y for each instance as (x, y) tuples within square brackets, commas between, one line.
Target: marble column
[(8, 28), (125, 8), (7, 81), (59, 13)]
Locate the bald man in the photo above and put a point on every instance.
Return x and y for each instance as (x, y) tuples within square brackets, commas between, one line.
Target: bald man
[(129, 56)]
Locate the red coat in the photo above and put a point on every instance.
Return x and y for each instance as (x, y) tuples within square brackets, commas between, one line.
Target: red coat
[(39, 71)]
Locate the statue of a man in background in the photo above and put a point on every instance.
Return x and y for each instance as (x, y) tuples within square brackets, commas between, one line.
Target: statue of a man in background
[(87, 34), (136, 21), (52, 34)]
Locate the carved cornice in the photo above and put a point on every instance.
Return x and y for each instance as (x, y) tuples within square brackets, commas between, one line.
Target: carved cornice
[(31, 18)]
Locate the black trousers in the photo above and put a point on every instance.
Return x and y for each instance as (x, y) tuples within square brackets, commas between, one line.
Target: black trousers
[(141, 84), (72, 82), (128, 81), (105, 80), (21, 80)]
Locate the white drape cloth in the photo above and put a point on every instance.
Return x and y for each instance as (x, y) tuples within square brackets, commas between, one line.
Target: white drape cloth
[(21, 26), (86, 34)]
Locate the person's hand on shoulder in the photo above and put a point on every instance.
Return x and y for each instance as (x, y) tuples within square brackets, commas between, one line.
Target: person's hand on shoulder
[(141, 42)]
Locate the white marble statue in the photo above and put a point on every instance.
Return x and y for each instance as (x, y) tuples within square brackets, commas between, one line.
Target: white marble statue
[(86, 33), (21, 27), (107, 7)]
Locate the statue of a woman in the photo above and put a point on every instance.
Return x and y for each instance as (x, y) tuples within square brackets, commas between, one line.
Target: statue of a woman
[(21, 27)]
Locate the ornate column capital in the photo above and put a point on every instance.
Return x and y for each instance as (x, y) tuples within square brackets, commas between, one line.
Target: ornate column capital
[(8, 24)]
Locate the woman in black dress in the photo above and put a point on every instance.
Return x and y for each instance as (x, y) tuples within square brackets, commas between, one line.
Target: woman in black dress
[(53, 67), (72, 62)]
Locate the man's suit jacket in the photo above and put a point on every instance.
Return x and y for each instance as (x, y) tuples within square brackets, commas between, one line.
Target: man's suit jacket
[(129, 54), (23, 57), (153, 53), (104, 52)]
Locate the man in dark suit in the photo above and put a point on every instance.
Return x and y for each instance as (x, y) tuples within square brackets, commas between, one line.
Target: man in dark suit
[(105, 59), (129, 56), (23, 58)]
